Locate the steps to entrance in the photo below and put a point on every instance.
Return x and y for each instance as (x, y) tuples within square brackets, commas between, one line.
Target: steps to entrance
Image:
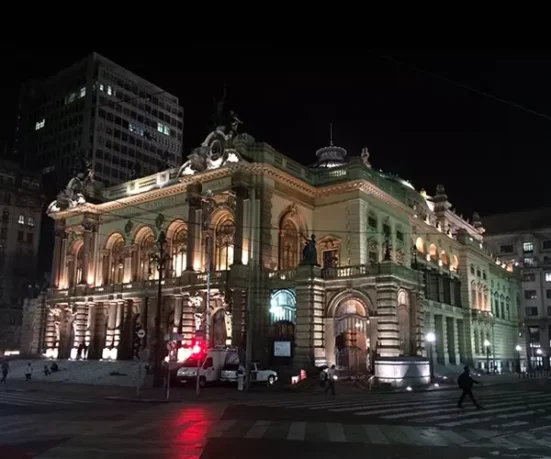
[(122, 373)]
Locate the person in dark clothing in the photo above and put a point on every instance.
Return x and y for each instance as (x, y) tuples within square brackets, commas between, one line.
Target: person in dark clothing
[(466, 383)]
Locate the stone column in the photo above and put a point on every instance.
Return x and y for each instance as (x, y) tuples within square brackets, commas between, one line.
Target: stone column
[(310, 325), (442, 339), (457, 350), (238, 311), (81, 321), (50, 329), (387, 321), (127, 338), (241, 195), (99, 338), (330, 341), (194, 204), (265, 195), (90, 326), (452, 291), (417, 323), (188, 320), (87, 237), (59, 250)]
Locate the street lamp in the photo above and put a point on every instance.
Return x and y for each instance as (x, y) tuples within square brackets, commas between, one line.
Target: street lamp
[(518, 349), (431, 339), (487, 345), (160, 259)]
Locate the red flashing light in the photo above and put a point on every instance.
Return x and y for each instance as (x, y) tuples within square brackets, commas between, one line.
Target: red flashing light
[(196, 349)]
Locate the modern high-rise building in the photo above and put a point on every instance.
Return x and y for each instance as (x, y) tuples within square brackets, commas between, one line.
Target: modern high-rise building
[(21, 206), (125, 125), (524, 238)]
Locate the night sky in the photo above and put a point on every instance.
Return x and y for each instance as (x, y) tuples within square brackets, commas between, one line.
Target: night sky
[(491, 157)]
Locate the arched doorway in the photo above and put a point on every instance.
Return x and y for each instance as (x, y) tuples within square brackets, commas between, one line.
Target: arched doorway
[(352, 333)]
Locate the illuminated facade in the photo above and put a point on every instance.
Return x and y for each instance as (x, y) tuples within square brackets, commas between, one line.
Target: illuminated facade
[(392, 263)]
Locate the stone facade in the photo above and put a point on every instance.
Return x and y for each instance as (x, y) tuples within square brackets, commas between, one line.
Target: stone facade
[(392, 264)]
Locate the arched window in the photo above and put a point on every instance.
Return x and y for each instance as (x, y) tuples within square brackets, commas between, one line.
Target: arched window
[(420, 245), (116, 271), (224, 238), (288, 245), (455, 263), (178, 246), (147, 249), (75, 264), (283, 306)]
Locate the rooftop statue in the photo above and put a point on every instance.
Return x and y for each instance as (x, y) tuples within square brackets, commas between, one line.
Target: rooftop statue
[(81, 185)]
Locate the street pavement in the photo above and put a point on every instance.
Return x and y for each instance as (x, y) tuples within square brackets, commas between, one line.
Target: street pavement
[(515, 423)]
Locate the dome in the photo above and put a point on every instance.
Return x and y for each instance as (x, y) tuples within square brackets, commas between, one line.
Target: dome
[(331, 156)]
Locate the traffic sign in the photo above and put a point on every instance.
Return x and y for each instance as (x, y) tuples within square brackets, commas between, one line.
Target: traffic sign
[(141, 333)]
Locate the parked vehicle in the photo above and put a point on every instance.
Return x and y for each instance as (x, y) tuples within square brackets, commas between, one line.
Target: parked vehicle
[(210, 365), (230, 373)]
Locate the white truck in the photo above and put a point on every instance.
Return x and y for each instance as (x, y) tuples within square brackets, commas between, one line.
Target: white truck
[(230, 372), (210, 365)]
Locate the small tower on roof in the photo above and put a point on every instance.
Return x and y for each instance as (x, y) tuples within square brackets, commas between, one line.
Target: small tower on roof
[(331, 156)]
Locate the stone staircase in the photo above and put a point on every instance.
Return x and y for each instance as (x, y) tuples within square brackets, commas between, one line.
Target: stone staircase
[(120, 373)]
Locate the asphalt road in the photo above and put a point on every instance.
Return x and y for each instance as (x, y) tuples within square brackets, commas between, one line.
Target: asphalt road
[(514, 424)]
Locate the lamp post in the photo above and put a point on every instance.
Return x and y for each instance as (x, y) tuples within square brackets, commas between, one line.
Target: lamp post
[(487, 345), (160, 259), (431, 339), (518, 349)]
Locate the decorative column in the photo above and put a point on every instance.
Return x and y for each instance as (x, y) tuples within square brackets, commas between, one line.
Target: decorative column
[(194, 204), (457, 350), (265, 226), (387, 321), (90, 328), (87, 227), (99, 338), (442, 339), (417, 323), (310, 325), (241, 194), (81, 320), (127, 338), (59, 252)]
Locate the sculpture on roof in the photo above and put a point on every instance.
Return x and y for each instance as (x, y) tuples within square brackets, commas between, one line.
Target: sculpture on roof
[(218, 148), (365, 157), (81, 185)]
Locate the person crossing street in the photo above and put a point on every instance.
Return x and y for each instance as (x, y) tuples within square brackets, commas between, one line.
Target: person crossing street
[(466, 382)]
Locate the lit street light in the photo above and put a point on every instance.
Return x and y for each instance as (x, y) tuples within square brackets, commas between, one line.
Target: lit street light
[(431, 339), (487, 345)]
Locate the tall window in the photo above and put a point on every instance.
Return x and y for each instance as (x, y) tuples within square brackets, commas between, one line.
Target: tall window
[(116, 271), (224, 238), (148, 267), (179, 244), (288, 246)]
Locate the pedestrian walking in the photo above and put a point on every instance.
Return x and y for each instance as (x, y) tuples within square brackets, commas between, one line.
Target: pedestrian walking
[(5, 370), (331, 376), (466, 383), (28, 372)]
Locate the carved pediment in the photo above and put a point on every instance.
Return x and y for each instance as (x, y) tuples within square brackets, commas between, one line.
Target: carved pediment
[(329, 242)]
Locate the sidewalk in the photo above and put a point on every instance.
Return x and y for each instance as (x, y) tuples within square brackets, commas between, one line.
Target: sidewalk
[(230, 393)]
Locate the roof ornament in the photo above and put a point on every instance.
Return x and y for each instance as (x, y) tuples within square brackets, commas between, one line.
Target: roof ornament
[(218, 148), (82, 185), (331, 156), (365, 157)]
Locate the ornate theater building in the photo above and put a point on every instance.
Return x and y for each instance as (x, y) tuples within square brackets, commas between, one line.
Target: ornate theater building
[(332, 263)]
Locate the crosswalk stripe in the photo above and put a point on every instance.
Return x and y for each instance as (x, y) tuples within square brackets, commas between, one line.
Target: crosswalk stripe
[(297, 431), (258, 430), (375, 435), (441, 408), (485, 412), (336, 432), (23, 400)]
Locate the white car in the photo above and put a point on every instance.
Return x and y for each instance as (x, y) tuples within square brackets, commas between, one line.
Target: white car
[(230, 373)]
